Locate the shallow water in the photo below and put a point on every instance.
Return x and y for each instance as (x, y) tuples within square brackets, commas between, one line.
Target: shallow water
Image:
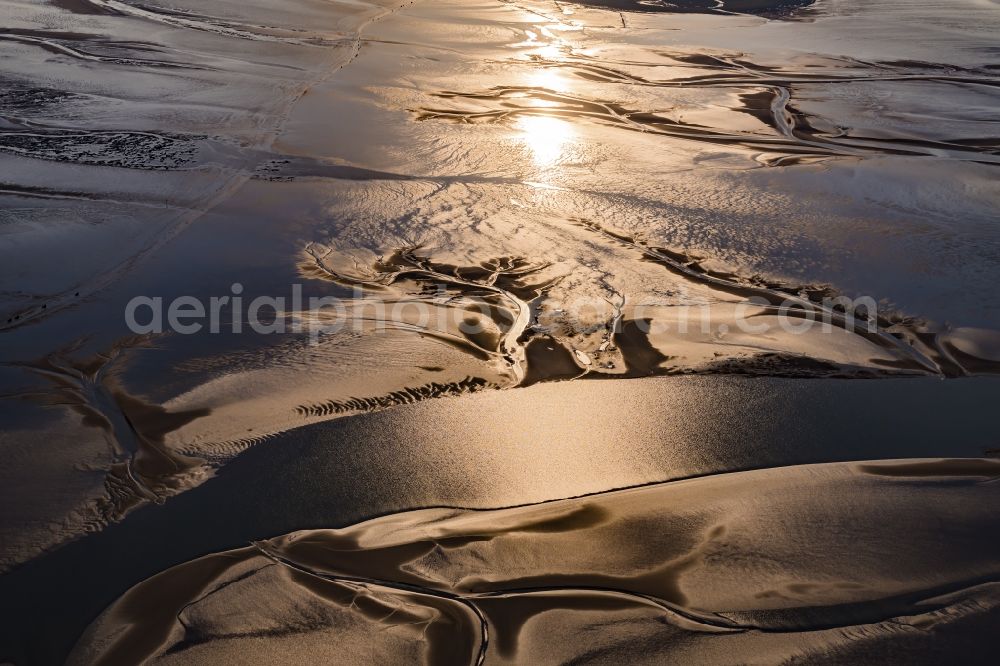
[(573, 191), (643, 574)]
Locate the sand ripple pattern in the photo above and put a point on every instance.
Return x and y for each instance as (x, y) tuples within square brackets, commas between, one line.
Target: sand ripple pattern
[(136, 87), (642, 575), (790, 133)]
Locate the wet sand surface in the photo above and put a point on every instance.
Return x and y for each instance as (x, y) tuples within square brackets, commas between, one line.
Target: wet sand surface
[(642, 575), (537, 445), (590, 200)]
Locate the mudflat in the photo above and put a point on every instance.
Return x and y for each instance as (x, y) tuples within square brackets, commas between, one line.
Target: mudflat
[(485, 332)]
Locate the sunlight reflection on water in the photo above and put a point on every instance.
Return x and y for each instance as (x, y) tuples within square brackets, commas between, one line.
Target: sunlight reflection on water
[(547, 138)]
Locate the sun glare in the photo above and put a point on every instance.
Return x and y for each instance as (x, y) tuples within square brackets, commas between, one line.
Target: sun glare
[(547, 138)]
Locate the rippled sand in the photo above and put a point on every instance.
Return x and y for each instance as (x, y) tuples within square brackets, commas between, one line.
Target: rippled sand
[(620, 183), (646, 575)]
